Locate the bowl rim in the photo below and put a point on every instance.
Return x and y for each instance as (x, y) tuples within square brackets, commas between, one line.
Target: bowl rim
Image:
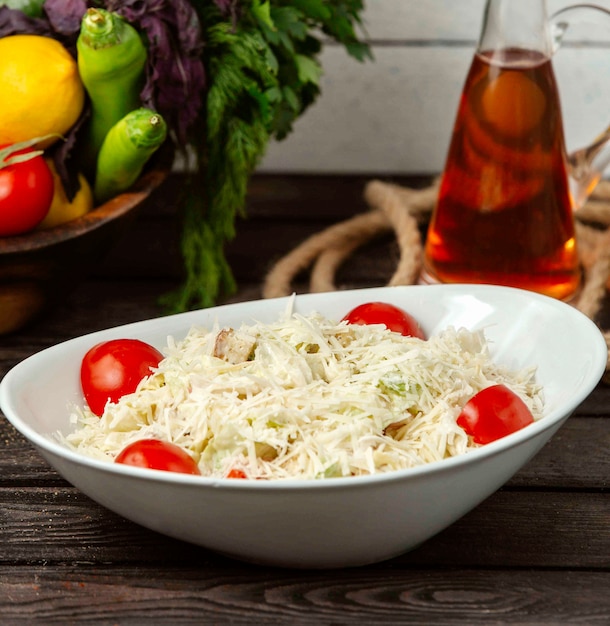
[(98, 216), (598, 352)]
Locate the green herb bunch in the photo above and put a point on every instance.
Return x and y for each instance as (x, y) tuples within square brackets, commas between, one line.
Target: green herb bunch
[(263, 71)]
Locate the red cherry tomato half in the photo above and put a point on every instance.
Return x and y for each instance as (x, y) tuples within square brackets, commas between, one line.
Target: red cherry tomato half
[(493, 413), (26, 190), (236, 473), (159, 455), (395, 319), (114, 368)]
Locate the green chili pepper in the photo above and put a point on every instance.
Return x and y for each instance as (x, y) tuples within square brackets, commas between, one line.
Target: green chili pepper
[(111, 57), (125, 150)]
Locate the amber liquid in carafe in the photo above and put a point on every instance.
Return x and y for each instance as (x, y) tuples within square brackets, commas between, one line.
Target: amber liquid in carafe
[(504, 213)]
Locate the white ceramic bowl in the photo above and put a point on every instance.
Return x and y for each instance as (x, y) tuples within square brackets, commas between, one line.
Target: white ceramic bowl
[(336, 522)]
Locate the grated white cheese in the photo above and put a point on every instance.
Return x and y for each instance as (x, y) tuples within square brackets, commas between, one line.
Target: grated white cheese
[(313, 399)]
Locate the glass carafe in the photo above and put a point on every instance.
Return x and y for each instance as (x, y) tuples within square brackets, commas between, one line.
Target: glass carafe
[(505, 211)]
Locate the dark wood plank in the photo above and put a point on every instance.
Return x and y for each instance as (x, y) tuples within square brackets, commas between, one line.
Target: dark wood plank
[(258, 245), (248, 595), (575, 458), (303, 196), (95, 305), (281, 212), (510, 529)]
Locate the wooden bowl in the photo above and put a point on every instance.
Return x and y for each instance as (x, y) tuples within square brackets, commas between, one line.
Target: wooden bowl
[(39, 268)]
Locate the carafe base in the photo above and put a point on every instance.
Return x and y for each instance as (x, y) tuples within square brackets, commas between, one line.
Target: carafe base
[(426, 278)]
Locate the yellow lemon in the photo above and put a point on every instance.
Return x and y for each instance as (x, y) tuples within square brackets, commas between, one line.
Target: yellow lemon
[(61, 209), (41, 89)]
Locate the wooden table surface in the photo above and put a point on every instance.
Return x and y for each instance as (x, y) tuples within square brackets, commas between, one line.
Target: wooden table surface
[(535, 552)]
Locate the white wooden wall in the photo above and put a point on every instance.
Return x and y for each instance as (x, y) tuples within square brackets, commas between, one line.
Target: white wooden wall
[(395, 114)]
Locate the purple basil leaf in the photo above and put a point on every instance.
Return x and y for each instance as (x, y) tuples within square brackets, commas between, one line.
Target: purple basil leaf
[(13, 22), (65, 15), (65, 160)]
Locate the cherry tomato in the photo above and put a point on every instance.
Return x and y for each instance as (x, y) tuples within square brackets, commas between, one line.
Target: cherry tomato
[(395, 319), (26, 189), (236, 473), (493, 413), (112, 369), (159, 455)]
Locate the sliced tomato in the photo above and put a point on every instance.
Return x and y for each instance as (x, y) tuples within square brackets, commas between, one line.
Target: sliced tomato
[(493, 413), (391, 316), (114, 368), (159, 455)]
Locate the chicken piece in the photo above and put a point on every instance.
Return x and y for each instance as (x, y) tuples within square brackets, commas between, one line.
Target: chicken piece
[(233, 347)]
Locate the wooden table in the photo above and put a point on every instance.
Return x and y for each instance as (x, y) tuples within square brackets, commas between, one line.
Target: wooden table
[(535, 552)]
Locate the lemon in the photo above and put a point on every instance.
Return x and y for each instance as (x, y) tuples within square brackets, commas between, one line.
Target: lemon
[(61, 209), (42, 93)]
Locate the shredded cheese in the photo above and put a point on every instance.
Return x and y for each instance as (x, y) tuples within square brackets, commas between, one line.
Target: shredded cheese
[(307, 398)]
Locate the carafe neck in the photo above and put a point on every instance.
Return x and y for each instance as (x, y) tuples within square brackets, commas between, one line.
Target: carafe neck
[(520, 24)]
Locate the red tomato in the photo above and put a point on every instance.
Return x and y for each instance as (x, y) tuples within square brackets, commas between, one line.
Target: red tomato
[(114, 368), (26, 189), (236, 473), (382, 313), (159, 455), (493, 413)]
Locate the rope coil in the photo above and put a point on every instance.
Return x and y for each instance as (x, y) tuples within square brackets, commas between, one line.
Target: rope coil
[(402, 210)]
